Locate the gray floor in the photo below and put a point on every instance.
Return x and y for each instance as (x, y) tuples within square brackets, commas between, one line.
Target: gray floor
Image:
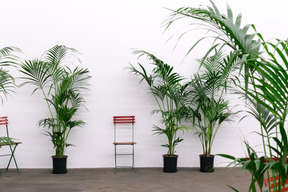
[(143, 179)]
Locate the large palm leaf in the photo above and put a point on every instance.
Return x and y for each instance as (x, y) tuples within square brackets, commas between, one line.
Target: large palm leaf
[(77, 78), (55, 56), (37, 73), (271, 82), (7, 57), (225, 29)]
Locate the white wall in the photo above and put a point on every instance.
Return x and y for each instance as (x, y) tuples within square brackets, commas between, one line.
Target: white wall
[(105, 32)]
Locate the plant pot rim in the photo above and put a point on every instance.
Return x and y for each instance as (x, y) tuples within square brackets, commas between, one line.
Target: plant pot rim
[(166, 155), (203, 155), (267, 160), (62, 156)]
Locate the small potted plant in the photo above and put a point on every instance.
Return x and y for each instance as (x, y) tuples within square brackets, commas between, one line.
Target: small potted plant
[(165, 86), (62, 89)]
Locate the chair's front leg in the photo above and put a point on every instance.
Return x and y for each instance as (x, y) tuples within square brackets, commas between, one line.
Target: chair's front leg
[(12, 156)]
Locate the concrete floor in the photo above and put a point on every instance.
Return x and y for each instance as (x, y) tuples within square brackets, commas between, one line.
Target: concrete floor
[(141, 180)]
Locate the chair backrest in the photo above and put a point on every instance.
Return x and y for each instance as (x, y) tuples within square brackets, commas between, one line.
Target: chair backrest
[(123, 119), (275, 184), (126, 122), (4, 121)]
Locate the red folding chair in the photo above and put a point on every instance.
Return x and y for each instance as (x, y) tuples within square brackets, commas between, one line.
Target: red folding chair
[(128, 123), (11, 144), (274, 184)]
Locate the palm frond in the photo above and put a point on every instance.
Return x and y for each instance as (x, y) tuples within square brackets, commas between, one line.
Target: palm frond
[(271, 83), (55, 57), (58, 54), (37, 73), (77, 79), (7, 83), (7, 56), (231, 32)]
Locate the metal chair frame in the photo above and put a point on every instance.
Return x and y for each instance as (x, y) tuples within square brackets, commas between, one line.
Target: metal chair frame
[(120, 120), (12, 145)]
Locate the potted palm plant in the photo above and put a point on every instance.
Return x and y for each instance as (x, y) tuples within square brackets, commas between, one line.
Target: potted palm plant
[(62, 89), (207, 108), (165, 86)]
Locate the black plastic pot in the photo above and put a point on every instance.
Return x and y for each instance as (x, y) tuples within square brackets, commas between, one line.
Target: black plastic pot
[(170, 163), (206, 163), (59, 164)]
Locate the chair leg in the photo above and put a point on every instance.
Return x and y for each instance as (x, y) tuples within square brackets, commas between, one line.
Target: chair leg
[(12, 156), (115, 156), (0, 169), (133, 160)]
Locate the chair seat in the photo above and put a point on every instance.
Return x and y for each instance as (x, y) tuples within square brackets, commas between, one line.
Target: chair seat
[(6, 141), (124, 143), (12, 143)]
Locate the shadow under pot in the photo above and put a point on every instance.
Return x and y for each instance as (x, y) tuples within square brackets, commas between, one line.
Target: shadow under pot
[(206, 163), (59, 164), (170, 163)]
